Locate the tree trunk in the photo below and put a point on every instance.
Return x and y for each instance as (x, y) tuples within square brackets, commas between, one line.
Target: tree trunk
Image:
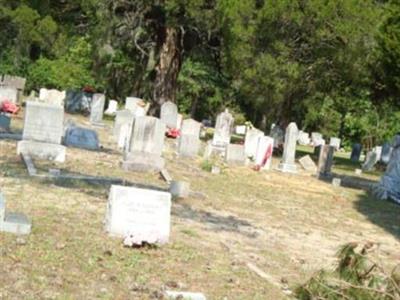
[(167, 69)]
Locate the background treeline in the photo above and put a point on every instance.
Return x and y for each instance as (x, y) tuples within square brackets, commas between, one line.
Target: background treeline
[(329, 65)]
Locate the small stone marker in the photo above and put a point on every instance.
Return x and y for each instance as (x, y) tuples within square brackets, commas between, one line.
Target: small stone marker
[(30, 166), (112, 108), (303, 138), (308, 164), (335, 142), (13, 222), (169, 114), (189, 141), (5, 122), (43, 131), (288, 160), (180, 189), (370, 161), (336, 182), (251, 142), (265, 149), (8, 93), (81, 138), (317, 139), (215, 170), (145, 146), (166, 176), (358, 171), (53, 97), (325, 160), (235, 154), (141, 215), (173, 295), (223, 130), (356, 152), (97, 108)]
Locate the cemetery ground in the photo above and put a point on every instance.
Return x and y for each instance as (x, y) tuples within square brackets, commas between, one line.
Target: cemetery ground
[(234, 225)]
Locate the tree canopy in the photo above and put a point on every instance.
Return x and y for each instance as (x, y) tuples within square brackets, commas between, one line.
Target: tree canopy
[(331, 66)]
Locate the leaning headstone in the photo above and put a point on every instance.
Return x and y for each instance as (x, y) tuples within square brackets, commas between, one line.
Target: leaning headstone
[(169, 114), (386, 152), (43, 131), (15, 223), (289, 152), (189, 141), (370, 161), (263, 157), (8, 93), (325, 161), (223, 130), (112, 108), (251, 142), (5, 122), (97, 108), (81, 138), (235, 154), (389, 186), (53, 97), (356, 152), (335, 142), (278, 134), (138, 215), (145, 146), (308, 164)]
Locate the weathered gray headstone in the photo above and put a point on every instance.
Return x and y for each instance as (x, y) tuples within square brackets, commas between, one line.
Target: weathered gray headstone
[(43, 131), (325, 161), (189, 141), (386, 152), (389, 186), (356, 152), (370, 160), (13, 222), (335, 142), (8, 93), (251, 142), (308, 164), (265, 148), (169, 114), (139, 215), (97, 108), (13, 81), (81, 138), (146, 145), (223, 129), (122, 117), (289, 152), (235, 154), (278, 134), (5, 122)]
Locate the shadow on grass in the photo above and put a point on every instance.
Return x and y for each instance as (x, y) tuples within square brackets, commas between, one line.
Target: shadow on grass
[(216, 222), (385, 214)]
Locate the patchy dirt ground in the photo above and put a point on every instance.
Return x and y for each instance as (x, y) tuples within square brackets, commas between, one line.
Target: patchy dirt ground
[(288, 226)]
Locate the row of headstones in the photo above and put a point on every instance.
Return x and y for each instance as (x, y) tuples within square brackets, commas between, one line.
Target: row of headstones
[(375, 155)]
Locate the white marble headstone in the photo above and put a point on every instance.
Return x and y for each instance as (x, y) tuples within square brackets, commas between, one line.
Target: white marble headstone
[(139, 214)]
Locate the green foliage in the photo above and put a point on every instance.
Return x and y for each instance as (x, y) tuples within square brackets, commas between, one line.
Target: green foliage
[(357, 276)]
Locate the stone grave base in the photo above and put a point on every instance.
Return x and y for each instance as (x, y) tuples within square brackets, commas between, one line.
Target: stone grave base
[(287, 168), (43, 151), (16, 223), (143, 162)]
